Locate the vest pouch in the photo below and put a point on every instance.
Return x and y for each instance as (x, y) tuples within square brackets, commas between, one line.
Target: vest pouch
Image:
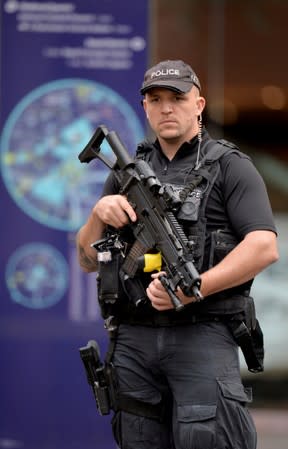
[(222, 242), (190, 208), (196, 238), (195, 242), (109, 286), (133, 288)]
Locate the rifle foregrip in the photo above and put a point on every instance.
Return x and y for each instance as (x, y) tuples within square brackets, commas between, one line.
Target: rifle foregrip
[(174, 298), (196, 293)]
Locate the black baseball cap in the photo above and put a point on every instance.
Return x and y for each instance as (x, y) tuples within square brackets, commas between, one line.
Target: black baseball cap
[(174, 75)]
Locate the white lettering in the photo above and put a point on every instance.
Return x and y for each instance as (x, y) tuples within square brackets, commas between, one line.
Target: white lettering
[(165, 72)]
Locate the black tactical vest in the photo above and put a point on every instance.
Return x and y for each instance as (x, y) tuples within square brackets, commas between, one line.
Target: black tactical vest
[(208, 248)]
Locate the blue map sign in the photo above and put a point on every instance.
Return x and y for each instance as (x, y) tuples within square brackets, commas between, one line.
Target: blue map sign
[(41, 140), (37, 275), (66, 68)]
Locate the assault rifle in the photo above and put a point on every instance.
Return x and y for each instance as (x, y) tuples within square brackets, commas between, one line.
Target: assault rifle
[(156, 227)]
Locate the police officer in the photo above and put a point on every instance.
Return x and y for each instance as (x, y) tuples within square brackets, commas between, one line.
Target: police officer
[(178, 372)]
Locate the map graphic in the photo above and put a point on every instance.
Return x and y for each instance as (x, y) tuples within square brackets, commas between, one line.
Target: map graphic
[(42, 138), (37, 275)]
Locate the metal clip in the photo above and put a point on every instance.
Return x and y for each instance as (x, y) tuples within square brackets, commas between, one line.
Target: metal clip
[(109, 325)]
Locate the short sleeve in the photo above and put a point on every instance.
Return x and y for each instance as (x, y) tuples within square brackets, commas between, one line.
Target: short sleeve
[(247, 203), (111, 186)]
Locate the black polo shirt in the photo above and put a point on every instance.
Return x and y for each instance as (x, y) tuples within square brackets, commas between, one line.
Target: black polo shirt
[(238, 199)]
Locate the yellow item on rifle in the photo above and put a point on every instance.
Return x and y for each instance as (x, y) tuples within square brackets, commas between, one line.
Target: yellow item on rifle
[(152, 262)]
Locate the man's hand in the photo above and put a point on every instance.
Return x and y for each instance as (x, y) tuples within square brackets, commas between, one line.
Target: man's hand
[(114, 210), (159, 297)]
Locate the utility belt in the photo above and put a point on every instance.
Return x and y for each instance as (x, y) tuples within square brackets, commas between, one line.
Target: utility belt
[(211, 309), (242, 323), (163, 320)]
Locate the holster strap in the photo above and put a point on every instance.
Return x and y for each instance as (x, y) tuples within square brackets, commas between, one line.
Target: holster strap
[(252, 348)]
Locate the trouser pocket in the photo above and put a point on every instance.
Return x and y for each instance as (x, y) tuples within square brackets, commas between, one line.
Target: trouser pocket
[(225, 424), (235, 427), (196, 426)]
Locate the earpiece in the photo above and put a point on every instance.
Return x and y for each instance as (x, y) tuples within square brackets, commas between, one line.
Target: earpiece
[(200, 126)]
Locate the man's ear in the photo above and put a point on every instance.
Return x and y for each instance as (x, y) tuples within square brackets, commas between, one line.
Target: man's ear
[(201, 102), (144, 104)]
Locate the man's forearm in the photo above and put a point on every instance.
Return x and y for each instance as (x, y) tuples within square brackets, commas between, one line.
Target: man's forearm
[(250, 257), (88, 234)]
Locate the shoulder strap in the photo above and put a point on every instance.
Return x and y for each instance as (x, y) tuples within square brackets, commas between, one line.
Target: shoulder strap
[(216, 149), (213, 150), (144, 149)]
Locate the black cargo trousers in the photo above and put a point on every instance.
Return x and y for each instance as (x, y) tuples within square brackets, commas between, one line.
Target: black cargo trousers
[(195, 368)]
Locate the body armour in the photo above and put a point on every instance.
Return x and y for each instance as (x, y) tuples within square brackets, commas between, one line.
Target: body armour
[(208, 248), (122, 301)]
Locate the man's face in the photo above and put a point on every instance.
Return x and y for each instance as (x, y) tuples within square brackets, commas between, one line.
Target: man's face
[(173, 116)]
